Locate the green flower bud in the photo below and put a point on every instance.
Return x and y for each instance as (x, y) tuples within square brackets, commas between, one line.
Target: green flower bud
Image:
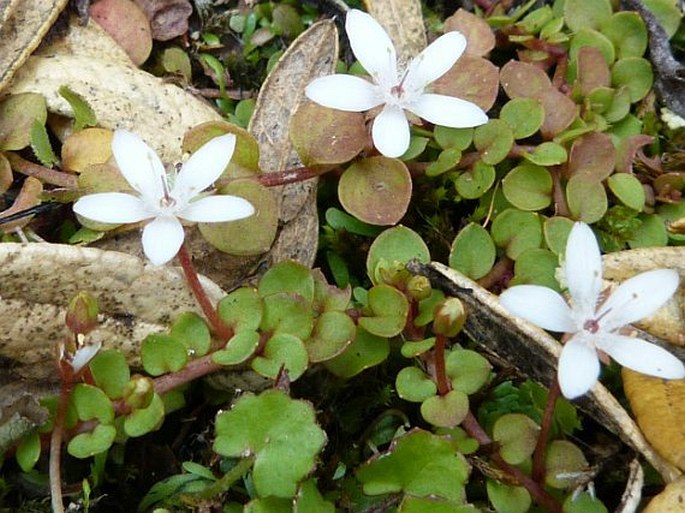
[(449, 317), (138, 392), (82, 314), (419, 288)]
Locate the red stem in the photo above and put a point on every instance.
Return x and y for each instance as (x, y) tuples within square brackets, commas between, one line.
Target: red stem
[(440, 372), (55, 465), (220, 329), (474, 429), (298, 174), (545, 426)]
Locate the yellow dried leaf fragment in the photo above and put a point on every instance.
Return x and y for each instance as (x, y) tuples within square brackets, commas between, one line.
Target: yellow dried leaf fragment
[(659, 406), (671, 500)]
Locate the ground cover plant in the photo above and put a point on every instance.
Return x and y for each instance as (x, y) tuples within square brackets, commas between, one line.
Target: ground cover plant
[(342, 259)]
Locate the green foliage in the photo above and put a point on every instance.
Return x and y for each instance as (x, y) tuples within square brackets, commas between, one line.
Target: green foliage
[(267, 427)]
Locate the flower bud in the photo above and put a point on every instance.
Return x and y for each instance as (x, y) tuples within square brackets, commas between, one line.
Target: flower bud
[(82, 314), (419, 288), (138, 392), (449, 317)]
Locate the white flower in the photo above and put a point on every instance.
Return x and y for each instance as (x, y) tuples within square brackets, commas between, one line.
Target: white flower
[(594, 326), (162, 201), (82, 356), (397, 91)]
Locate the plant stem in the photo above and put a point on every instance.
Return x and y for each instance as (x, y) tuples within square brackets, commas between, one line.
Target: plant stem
[(440, 372), (44, 174), (545, 426), (474, 429), (224, 483), (55, 465), (297, 174), (220, 329)]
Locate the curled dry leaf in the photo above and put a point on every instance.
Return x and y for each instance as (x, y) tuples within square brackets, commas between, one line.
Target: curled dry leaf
[(37, 281), (528, 348), (480, 37), (403, 21), (168, 18), (128, 25), (29, 196), (660, 411)]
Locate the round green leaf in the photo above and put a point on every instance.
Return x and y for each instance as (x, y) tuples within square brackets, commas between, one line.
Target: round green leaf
[(547, 154), (628, 190), (376, 190), (445, 410), (493, 140), (412, 348), (508, 499), (333, 332), (287, 313), (580, 13), (192, 331), (388, 308), (516, 231), (91, 403), (86, 445), (586, 198), (339, 220), (397, 244), (556, 230), (242, 309), (143, 421), (475, 181), (412, 384), (288, 276), (467, 370), (589, 37), (427, 307), (473, 252), (459, 138), (562, 461), (517, 435), (252, 235), (583, 502), (636, 74), (528, 187), (270, 426), (523, 115), (282, 350), (668, 13), (162, 353), (652, 232), (620, 105), (627, 32), (110, 372), (241, 347), (365, 351), (536, 267), (448, 159), (28, 451)]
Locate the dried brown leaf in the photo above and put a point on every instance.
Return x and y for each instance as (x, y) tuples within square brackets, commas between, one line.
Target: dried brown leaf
[(168, 18), (480, 37), (403, 21)]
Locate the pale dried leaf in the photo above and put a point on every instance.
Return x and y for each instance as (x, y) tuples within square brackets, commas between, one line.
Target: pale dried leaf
[(671, 500), (24, 24), (403, 21), (668, 322), (37, 281), (531, 350)]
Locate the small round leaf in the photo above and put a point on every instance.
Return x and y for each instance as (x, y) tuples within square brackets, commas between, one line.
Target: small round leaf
[(586, 199), (447, 410), (562, 460), (412, 384), (162, 353), (86, 445), (238, 349), (523, 115), (516, 231), (397, 244), (475, 181), (388, 308), (242, 309), (528, 187), (493, 140), (628, 190), (473, 251), (517, 435), (282, 350), (365, 351)]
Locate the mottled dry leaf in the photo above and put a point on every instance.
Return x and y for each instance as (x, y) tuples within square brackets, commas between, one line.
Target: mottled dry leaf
[(671, 500), (129, 98), (24, 23), (88, 147), (668, 322), (471, 78), (480, 37), (168, 18), (531, 350), (659, 406), (128, 25), (403, 21), (29, 196), (37, 281)]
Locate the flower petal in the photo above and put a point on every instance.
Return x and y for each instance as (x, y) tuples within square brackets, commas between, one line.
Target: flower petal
[(162, 238), (540, 305), (372, 46), (219, 208), (641, 356), (578, 367), (112, 207), (139, 164), (448, 111), (390, 131), (435, 60), (344, 92), (204, 167), (638, 297), (583, 270), (84, 355)]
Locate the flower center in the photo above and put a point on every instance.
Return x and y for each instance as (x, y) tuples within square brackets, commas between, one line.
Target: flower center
[(166, 201), (592, 325)]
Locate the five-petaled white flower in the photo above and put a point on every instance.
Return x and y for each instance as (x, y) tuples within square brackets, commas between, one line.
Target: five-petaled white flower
[(594, 324), (163, 198), (398, 91)]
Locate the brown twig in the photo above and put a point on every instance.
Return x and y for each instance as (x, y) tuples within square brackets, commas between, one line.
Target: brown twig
[(44, 174)]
